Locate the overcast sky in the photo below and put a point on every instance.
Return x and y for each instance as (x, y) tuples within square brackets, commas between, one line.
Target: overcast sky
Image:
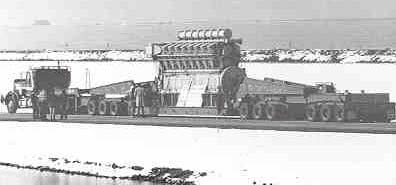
[(86, 11)]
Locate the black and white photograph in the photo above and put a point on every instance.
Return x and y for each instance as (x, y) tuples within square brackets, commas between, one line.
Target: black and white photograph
[(197, 92)]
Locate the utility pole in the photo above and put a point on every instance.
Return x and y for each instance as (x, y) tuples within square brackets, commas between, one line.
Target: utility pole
[(87, 78)]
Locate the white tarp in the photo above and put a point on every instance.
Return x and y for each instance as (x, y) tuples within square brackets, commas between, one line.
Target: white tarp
[(191, 95), (183, 95), (194, 98)]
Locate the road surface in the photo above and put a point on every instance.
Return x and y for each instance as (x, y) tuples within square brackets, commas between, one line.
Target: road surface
[(223, 123)]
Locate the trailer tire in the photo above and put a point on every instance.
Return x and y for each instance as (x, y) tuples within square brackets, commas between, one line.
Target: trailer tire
[(273, 111), (123, 109), (92, 107), (258, 111), (12, 106), (311, 113), (103, 108), (326, 112), (70, 107), (339, 114), (114, 108), (244, 111)]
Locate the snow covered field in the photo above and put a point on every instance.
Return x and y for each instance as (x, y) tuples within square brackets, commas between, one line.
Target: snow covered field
[(228, 156)]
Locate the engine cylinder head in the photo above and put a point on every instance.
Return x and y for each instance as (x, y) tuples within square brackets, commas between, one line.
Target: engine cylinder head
[(208, 34)]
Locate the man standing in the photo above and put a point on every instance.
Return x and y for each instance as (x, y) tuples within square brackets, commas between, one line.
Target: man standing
[(131, 100), (34, 100), (52, 104), (63, 105), (220, 101), (43, 105), (139, 95)]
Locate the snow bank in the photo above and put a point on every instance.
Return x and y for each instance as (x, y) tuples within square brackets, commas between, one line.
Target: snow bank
[(76, 55), (228, 156), (262, 55), (320, 56)]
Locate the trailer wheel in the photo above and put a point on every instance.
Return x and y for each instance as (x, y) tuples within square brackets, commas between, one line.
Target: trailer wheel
[(12, 106), (339, 114), (123, 109), (258, 111), (114, 108), (326, 112), (311, 113), (92, 107), (244, 111), (273, 111), (103, 108)]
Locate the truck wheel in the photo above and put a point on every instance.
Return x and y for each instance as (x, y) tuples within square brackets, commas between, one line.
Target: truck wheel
[(326, 112), (258, 111), (339, 114), (12, 106), (311, 113), (123, 109), (244, 111), (114, 108), (92, 107), (103, 108), (273, 111)]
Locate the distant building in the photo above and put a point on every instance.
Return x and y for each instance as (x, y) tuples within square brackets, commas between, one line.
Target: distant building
[(41, 22)]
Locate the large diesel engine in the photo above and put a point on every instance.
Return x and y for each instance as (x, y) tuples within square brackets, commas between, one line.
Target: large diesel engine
[(196, 67)]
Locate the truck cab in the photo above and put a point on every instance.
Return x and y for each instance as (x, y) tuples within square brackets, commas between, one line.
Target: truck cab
[(19, 97)]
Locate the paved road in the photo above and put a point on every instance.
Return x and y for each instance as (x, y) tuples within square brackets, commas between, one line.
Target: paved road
[(223, 123)]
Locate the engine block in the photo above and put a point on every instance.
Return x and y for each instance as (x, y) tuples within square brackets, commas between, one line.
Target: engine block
[(190, 68)]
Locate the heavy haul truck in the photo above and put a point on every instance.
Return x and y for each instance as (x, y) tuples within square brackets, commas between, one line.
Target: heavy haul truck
[(199, 74)]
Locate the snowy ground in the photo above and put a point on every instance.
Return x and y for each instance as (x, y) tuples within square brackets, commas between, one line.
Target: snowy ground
[(229, 156)]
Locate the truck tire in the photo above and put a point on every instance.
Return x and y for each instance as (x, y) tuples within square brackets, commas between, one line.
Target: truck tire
[(12, 106), (244, 111), (339, 114), (311, 114), (326, 112), (258, 111), (92, 107), (103, 108), (273, 111), (123, 109), (114, 108)]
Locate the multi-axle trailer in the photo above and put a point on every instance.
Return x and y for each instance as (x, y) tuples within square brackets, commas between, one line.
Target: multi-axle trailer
[(199, 74)]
